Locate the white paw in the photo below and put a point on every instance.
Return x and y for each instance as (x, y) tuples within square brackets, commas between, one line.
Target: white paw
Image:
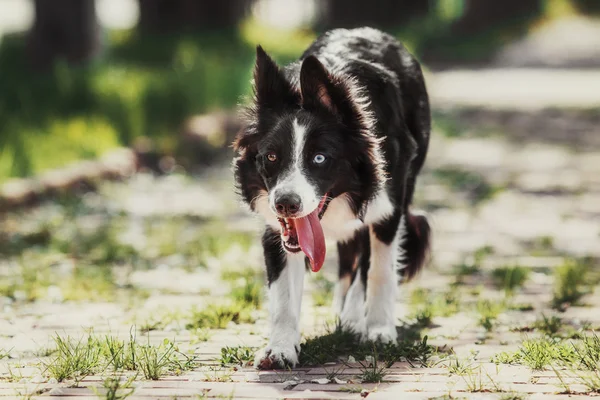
[(277, 357), (384, 334), (355, 322)]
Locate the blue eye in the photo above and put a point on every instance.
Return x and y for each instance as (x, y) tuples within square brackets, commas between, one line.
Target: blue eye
[(319, 158)]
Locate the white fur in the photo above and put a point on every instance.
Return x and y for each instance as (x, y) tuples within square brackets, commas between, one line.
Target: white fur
[(261, 206), (294, 180), (339, 293), (381, 290), (380, 207), (285, 300), (339, 222), (353, 313)]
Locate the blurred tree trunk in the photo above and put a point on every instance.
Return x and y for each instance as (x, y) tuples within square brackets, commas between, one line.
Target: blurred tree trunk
[(171, 15), (481, 15), (382, 14), (588, 6), (64, 29)]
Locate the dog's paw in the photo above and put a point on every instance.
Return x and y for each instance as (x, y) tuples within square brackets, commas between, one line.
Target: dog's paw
[(353, 319), (277, 357), (383, 333), (354, 325)]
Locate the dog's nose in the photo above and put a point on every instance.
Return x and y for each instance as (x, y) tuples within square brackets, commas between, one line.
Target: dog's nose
[(288, 204)]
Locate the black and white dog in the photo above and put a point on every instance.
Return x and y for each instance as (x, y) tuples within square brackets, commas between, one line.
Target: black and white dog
[(332, 148)]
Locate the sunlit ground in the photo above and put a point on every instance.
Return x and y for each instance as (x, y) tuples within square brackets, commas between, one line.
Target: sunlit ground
[(161, 278)]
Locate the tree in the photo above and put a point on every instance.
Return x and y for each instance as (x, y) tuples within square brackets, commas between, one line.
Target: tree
[(481, 15), (64, 29), (384, 14), (170, 15)]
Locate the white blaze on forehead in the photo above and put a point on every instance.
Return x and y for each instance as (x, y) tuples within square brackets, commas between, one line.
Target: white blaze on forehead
[(294, 179)]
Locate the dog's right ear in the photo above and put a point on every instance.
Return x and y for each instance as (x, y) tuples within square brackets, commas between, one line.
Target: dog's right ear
[(271, 88)]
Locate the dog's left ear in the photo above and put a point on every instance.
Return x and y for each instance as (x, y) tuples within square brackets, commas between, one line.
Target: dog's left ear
[(319, 89)]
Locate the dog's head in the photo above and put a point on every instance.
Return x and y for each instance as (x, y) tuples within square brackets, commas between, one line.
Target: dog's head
[(306, 142)]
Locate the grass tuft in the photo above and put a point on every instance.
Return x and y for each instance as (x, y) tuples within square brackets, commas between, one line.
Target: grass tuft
[(74, 359), (240, 355), (371, 371), (488, 311), (570, 283), (340, 343), (510, 278), (115, 388), (218, 316)]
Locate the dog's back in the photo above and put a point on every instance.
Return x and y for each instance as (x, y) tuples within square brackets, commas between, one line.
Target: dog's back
[(395, 88), (332, 149)]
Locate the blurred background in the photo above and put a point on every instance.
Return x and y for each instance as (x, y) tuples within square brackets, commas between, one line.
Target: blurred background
[(117, 204), (80, 77)]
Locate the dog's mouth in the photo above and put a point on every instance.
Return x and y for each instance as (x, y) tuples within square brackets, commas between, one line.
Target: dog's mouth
[(306, 234)]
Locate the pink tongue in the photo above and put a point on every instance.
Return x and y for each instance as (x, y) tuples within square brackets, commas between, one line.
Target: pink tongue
[(311, 239)]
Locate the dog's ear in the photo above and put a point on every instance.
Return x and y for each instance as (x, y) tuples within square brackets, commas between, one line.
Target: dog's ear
[(320, 89), (271, 88)]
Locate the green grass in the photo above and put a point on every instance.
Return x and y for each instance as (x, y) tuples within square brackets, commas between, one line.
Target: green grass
[(240, 355), (570, 283), (218, 316), (478, 380), (474, 185), (322, 294), (550, 326), (510, 278), (427, 305), (4, 353), (146, 85), (488, 312), (116, 388), (540, 353), (513, 396), (371, 370), (74, 359), (338, 344)]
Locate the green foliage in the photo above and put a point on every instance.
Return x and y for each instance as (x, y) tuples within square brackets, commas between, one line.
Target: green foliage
[(372, 371), (427, 305), (539, 353), (153, 361), (74, 359), (488, 311), (549, 325), (116, 388), (340, 343), (510, 278), (146, 85), (473, 184), (570, 283), (218, 316), (323, 293), (240, 355)]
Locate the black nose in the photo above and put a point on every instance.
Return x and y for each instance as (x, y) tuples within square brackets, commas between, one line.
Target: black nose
[(288, 204)]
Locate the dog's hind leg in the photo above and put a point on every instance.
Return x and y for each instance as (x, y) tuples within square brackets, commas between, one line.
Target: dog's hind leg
[(285, 273)]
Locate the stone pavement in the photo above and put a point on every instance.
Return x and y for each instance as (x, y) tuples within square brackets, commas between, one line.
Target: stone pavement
[(534, 204), (509, 181)]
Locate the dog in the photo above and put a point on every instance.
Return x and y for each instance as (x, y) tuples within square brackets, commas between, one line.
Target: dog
[(331, 149)]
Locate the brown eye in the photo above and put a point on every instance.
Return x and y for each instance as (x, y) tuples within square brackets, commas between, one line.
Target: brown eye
[(272, 157)]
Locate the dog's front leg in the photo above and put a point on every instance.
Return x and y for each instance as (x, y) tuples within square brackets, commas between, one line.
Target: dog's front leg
[(285, 274), (382, 281)]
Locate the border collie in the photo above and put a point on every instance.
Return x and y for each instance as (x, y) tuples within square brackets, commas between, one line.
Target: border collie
[(332, 148)]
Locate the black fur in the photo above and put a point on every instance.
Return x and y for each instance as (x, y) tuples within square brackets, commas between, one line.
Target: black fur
[(363, 101)]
